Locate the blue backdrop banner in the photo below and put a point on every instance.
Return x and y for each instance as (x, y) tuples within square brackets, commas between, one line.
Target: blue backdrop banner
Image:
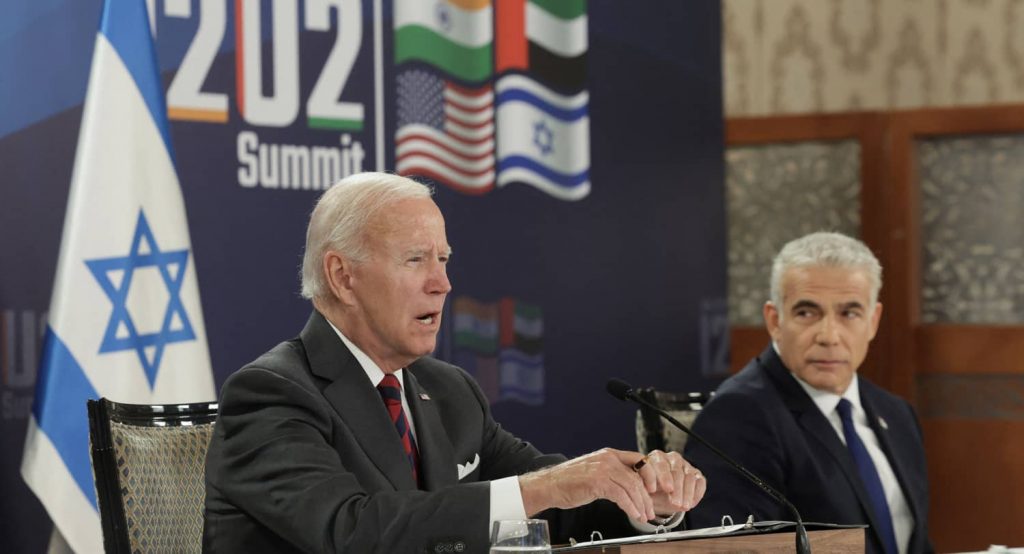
[(575, 148)]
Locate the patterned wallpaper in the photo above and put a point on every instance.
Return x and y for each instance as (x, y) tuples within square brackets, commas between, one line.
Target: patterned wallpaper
[(972, 206), (776, 193), (818, 56), (812, 56)]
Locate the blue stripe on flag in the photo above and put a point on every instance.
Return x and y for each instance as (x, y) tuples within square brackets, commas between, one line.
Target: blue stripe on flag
[(126, 26), (561, 179), (526, 396), (512, 95), (512, 355), (59, 407)]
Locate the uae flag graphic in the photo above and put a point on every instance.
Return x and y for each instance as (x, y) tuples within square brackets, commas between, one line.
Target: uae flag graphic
[(547, 38)]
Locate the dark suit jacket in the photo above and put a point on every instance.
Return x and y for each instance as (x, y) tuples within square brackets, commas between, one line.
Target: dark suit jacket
[(767, 422), (304, 458)]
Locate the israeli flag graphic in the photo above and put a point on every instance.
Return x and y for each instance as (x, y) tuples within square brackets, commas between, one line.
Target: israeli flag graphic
[(125, 319)]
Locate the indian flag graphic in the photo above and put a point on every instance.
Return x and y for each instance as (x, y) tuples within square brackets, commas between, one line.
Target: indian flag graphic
[(453, 35), (501, 345)]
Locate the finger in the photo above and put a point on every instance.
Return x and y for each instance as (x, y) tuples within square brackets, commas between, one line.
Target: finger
[(628, 495), (672, 501), (676, 464), (660, 475), (648, 473), (634, 485), (694, 482), (699, 489), (640, 463), (679, 481), (641, 492), (628, 458), (621, 484)]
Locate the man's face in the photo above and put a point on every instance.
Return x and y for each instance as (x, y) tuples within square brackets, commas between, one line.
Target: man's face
[(825, 324), (400, 290)]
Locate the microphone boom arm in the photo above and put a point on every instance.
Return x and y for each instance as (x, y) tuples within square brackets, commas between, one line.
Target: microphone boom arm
[(622, 391)]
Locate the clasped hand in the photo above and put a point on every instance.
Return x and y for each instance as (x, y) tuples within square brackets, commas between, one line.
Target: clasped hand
[(663, 484)]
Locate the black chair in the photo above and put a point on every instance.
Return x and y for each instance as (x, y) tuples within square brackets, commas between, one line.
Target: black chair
[(653, 432), (149, 466)]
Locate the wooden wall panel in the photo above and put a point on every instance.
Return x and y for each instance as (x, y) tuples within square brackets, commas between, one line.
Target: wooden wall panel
[(974, 468), (747, 342), (978, 349), (969, 378)]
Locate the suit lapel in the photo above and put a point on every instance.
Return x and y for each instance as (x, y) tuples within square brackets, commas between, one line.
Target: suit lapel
[(437, 459), (899, 466), (814, 423), (357, 401)]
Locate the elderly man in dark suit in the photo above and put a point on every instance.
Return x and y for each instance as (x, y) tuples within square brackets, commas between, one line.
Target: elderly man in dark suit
[(840, 448), (349, 439)]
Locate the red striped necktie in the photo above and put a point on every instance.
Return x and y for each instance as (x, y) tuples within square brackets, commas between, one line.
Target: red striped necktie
[(391, 392)]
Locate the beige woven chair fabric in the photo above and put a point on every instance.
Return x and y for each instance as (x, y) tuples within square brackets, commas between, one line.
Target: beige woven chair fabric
[(161, 473)]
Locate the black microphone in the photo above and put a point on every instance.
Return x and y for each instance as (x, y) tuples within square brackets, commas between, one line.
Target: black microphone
[(623, 391)]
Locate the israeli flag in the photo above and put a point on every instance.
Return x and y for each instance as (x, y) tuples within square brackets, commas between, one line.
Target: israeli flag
[(125, 320), (543, 138)]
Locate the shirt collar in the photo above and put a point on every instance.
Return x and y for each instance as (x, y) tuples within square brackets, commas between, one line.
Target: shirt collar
[(827, 401), (373, 371)]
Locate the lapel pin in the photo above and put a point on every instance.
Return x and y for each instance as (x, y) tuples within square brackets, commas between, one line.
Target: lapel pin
[(424, 396), (882, 423)]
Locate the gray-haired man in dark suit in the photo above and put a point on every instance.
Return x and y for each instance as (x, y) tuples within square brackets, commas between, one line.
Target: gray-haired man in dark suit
[(840, 448), (349, 439)]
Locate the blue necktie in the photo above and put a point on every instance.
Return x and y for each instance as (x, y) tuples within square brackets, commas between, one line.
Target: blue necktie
[(868, 476)]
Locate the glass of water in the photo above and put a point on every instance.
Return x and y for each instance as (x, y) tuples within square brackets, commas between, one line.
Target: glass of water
[(520, 535)]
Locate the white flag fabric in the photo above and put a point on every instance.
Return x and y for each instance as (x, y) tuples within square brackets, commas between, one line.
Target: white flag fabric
[(543, 137), (125, 319)]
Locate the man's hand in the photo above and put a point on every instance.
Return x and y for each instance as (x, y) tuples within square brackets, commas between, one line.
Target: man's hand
[(674, 484), (662, 484)]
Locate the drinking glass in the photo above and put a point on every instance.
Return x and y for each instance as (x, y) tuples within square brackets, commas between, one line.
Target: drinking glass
[(520, 536)]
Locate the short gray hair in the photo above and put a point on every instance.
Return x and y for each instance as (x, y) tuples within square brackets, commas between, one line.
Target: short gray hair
[(339, 221), (829, 250)]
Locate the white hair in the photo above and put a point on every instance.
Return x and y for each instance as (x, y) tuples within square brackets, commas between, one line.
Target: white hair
[(340, 218), (828, 250)]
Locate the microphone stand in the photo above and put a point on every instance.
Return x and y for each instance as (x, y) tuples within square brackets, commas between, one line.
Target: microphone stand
[(803, 544)]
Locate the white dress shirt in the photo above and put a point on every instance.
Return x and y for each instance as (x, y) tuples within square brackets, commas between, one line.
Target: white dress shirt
[(506, 498), (827, 402)]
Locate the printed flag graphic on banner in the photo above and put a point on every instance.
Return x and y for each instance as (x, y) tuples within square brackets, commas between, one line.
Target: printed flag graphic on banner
[(445, 132), (501, 345), (545, 37), (543, 138), (453, 35), (125, 318), (474, 123)]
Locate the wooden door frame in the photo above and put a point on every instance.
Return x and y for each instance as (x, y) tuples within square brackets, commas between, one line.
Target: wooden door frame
[(938, 348)]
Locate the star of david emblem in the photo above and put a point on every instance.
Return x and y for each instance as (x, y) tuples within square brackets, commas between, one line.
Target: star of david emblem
[(543, 137), (114, 276)]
